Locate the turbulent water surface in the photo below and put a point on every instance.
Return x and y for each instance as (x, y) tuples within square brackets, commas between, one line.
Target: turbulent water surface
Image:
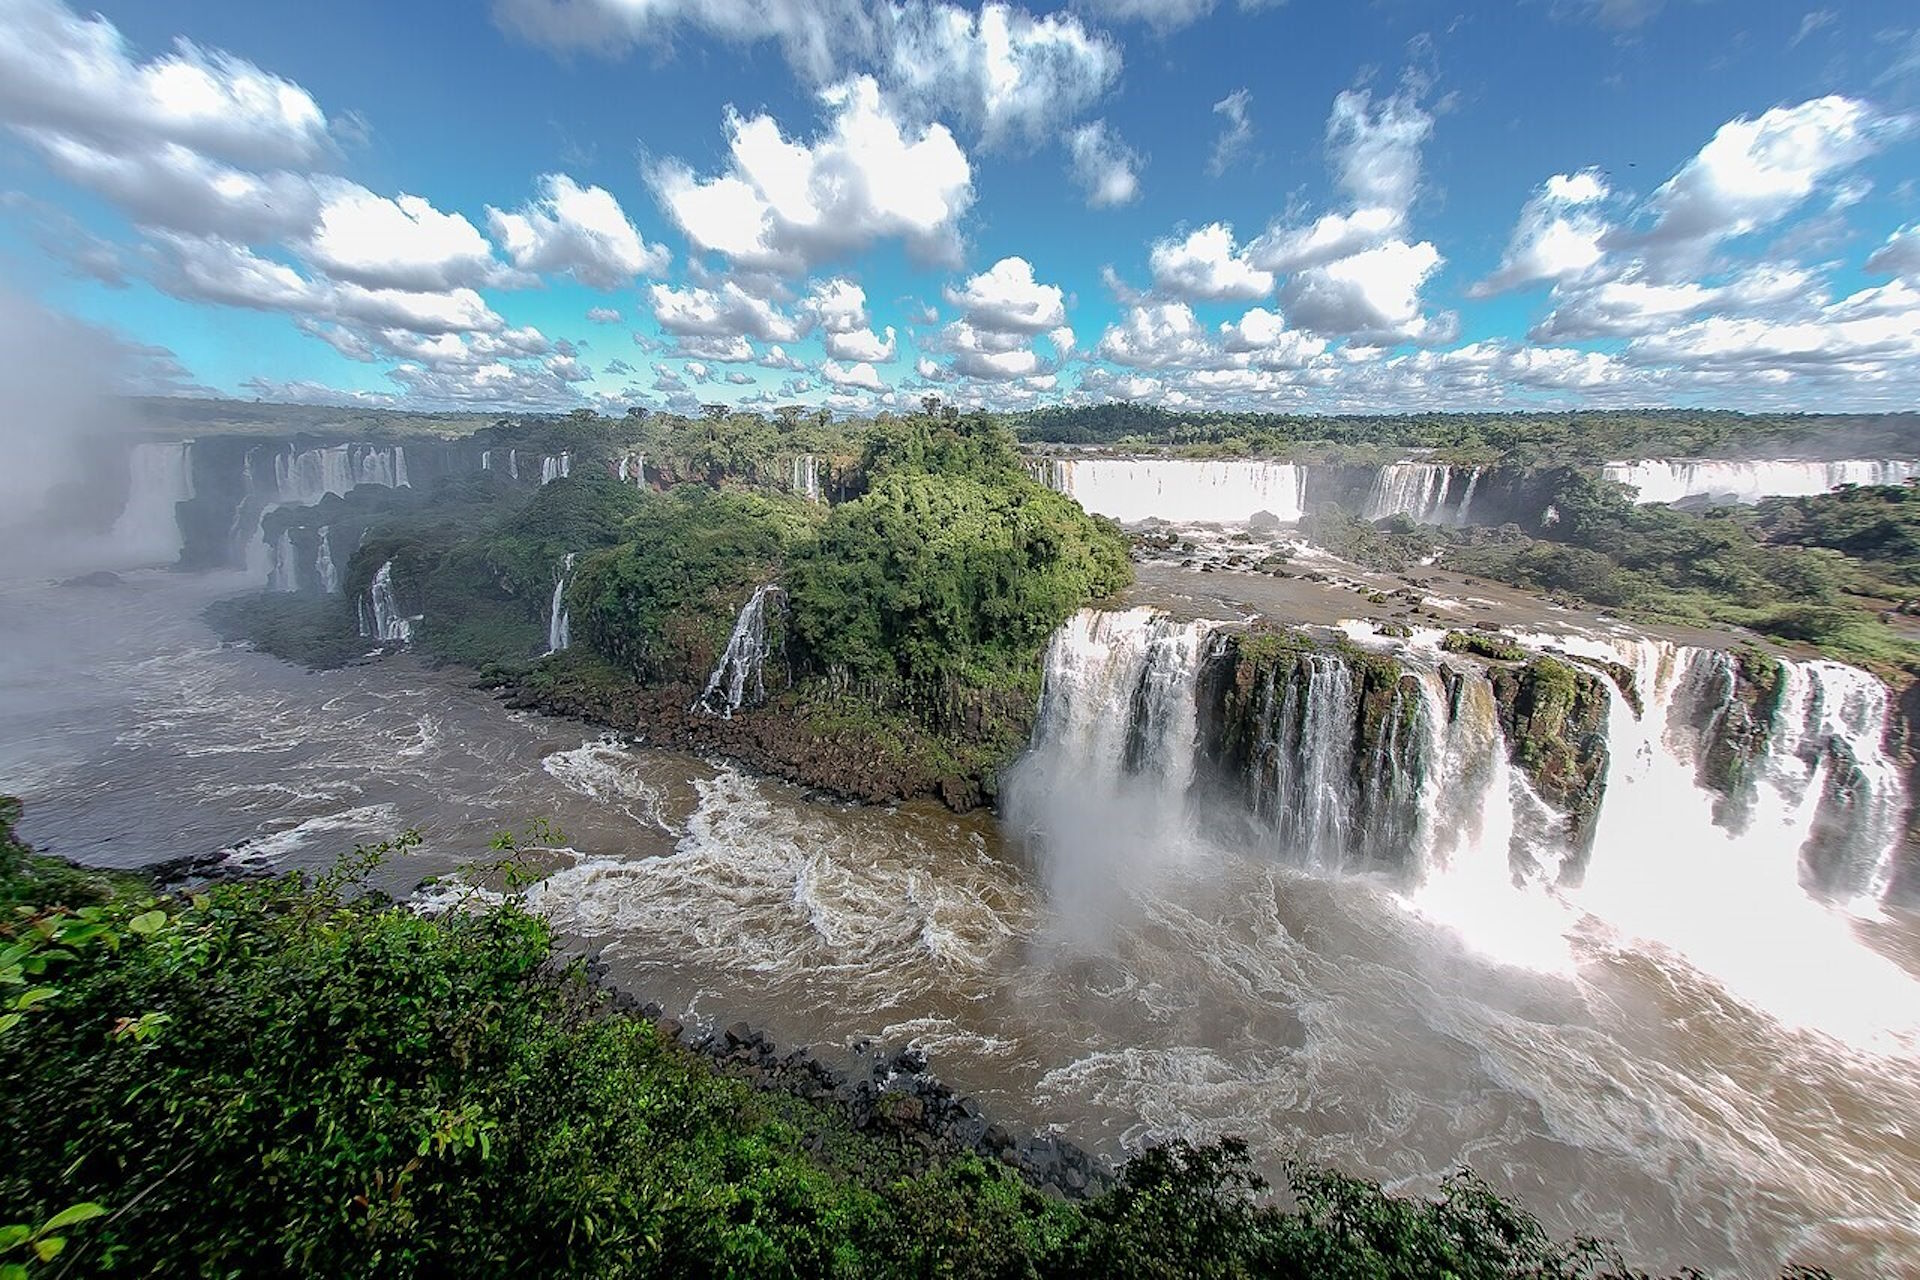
[(1688, 1053)]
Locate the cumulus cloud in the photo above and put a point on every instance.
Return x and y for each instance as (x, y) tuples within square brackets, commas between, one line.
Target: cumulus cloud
[(1756, 171), (862, 376), (786, 206), (72, 76), (1558, 236), (579, 231), (1206, 267), (1104, 166), (1005, 298), (402, 243), (1008, 74), (722, 312), (1374, 147), (1156, 336), (603, 315), (1238, 133), (1372, 297)]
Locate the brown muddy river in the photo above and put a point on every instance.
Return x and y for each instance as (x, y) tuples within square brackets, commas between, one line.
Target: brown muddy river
[(1729, 1106)]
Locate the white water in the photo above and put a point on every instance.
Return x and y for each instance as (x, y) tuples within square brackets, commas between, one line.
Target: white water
[(553, 468), (304, 476), (285, 574), (1134, 489), (380, 615), (1427, 492), (740, 675), (559, 625), (160, 477), (806, 477), (1749, 482), (323, 561), (632, 467)]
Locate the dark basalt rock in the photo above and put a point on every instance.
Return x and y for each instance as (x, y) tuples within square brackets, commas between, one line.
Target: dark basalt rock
[(1555, 718)]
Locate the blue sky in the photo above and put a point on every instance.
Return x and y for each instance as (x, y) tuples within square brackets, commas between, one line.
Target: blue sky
[(1198, 203)]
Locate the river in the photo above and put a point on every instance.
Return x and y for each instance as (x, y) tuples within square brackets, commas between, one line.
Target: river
[(1729, 1105)]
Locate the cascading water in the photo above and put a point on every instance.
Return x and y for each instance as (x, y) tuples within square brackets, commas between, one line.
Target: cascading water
[(740, 675), (513, 463), (1427, 492), (806, 477), (380, 615), (1748, 482), (160, 477), (1176, 489), (486, 459), (632, 467), (285, 574), (554, 468), (559, 625), (323, 563)]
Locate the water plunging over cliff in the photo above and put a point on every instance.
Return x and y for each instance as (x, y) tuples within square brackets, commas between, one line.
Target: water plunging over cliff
[(806, 477), (380, 615), (160, 478), (740, 675), (1749, 482), (1335, 759), (1178, 489), (559, 625), (323, 561), (554, 468), (1430, 493)]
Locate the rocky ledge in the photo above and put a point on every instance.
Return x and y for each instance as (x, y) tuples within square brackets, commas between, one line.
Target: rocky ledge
[(888, 1095)]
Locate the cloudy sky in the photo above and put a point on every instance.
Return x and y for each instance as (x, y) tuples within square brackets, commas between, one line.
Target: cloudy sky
[(1201, 203)]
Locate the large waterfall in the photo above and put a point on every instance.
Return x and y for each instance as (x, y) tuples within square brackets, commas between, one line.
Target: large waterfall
[(1158, 739), (553, 468), (740, 675), (1658, 480), (304, 476), (806, 477), (1428, 492), (160, 477), (1177, 489), (559, 625), (323, 562)]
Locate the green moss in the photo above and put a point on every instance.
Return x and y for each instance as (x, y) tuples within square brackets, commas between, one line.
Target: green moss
[(1484, 644)]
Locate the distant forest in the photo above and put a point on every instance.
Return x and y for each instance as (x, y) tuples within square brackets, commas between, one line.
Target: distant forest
[(1517, 438)]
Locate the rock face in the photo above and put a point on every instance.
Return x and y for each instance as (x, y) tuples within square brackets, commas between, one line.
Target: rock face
[(1734, 714), (1554, 715)]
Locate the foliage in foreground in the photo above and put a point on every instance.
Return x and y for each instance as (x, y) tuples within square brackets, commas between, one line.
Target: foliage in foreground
[(268, 1079)]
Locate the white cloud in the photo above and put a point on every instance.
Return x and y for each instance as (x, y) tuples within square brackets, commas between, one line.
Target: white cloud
[(861, 345), (785, 206), (1375, 148), (836, 305), (988, 355), (603, 315), (728, 348), (1162, 15), (1329, 237), (1005, 298), (1010, 75), (1558, 236), (858, 375), (74, 77), (1233, 140), (1900, 255), (1156, 336), (402, 243), (1628, 307), (776, 357), (724, 312), (171, 186), (1754, 172), (1372, 297), (1263, 337), (581, 231), (1104, 166), (1206, 267)]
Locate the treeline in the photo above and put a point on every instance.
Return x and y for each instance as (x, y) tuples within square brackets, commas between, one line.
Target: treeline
[(290, 1078), (1517, 439)]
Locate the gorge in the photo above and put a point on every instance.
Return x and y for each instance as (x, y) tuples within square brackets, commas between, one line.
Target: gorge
[(1384, 866)]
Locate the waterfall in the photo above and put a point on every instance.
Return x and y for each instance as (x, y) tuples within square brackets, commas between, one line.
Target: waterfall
[(740, 675), (400, 480), (323, 563), (806, 477), (160, 478), (1179, 490), (285, 574), (553, 468), (1422, 491), (632, 467), (1657, 480), (559, 625), (380, 615), (486, 459), (513, 463)]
